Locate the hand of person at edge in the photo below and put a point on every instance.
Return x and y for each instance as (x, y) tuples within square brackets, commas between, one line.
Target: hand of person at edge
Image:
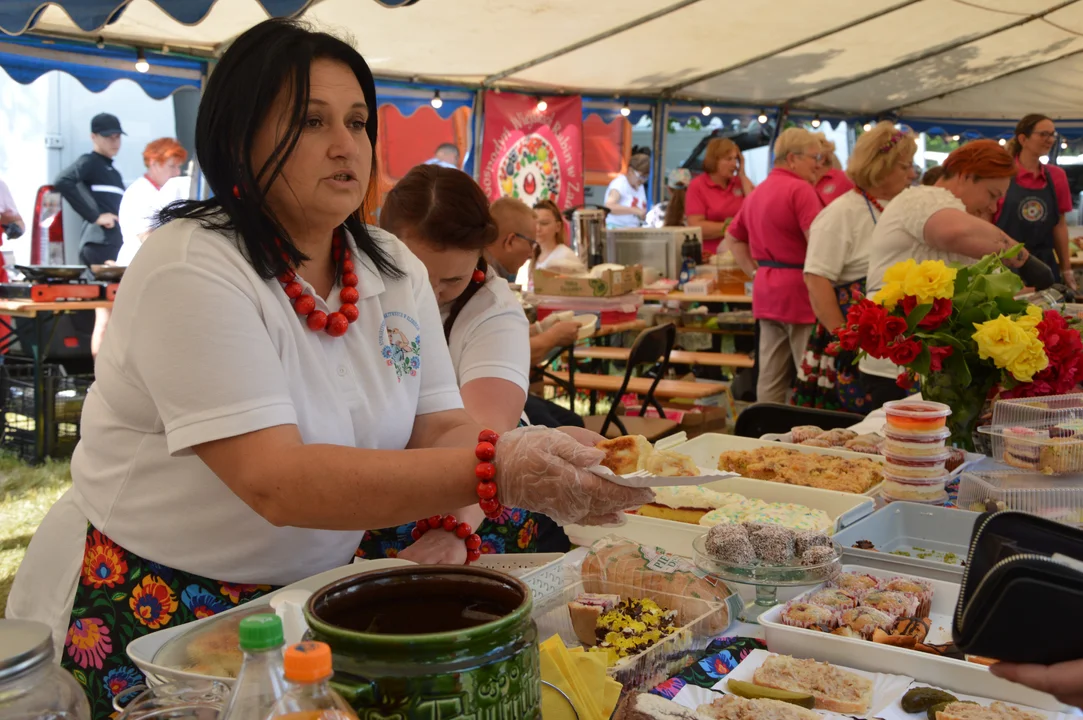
[(1064, 681), (1068, 275), (546, 471), (436, 547)]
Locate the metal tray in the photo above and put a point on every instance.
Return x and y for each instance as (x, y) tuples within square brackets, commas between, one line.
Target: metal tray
[(677, 537), (903, 526), (706, 448), (959, 675)]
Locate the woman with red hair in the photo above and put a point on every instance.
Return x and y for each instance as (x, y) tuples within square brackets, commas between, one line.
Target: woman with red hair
[(940, 222), (141, 203)]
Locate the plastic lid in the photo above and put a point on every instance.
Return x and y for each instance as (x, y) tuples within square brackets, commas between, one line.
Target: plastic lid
[(922, 436), (919, 409), (939, 500), (915, 460), (308, 662), (906, 480), (261, 632)]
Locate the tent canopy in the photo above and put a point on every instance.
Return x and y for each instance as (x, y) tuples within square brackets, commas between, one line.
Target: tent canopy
[(967, 60)]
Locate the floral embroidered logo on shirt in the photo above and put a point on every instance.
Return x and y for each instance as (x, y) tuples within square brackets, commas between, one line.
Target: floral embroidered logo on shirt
[(401, 344)]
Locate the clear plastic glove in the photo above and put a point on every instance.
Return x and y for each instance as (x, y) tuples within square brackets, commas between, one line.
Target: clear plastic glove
[(545, 471)]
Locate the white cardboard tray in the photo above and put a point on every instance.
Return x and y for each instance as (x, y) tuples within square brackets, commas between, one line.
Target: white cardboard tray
[(676, 537), (706, 448), (972, 459), (956, 675)]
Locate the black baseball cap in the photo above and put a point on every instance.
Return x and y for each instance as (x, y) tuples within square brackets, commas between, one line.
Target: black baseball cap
[(106, 124)]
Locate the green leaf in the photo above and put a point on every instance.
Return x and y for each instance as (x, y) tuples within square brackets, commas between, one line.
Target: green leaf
[(117, 597), (944, 339), (956, 368), (134, 574), (1011, 306), (78, 612), (1003, 284), (917, 315), (80, 676), (921, 362)]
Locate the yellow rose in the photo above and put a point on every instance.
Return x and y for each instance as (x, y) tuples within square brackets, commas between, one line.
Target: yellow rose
[(897, 273), (1031, 318), (1002, 340), (889, 295), (1031, 361), (929, 281)]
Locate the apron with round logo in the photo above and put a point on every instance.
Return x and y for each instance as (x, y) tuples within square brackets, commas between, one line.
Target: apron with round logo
[(1029, 217)]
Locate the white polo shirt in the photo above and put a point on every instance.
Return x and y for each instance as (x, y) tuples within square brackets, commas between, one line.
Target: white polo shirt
[(839, 237), (200, 348), (491, 336)]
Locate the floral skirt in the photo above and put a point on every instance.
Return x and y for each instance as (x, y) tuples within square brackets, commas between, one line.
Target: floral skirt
[(120, 597), (832, 382)]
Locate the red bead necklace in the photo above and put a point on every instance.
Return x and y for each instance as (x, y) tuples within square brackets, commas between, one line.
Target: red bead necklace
[(875, 203), (335, 323)]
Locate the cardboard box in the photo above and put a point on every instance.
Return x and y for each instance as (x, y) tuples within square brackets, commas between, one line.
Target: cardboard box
[(610, 284)]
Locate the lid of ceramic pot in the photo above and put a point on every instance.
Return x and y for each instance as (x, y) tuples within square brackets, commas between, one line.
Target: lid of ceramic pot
[(23, 645)]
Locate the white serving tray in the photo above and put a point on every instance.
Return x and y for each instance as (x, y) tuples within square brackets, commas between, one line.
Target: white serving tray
[(706, 448), (958, 675), (676, 537), (972, 459), (895, 711)]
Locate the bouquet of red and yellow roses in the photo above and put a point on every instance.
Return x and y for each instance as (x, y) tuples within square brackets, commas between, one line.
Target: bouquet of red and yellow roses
[(961, 333)]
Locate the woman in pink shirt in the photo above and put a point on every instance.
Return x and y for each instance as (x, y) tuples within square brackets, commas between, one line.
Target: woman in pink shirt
[(769, 239), (715, 197), (1033, 210), (831, 181)]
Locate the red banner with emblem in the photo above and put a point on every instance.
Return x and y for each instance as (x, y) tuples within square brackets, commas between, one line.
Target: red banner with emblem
[(533, 154)]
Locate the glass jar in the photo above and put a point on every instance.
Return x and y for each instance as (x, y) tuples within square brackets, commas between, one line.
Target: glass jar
[(32, 687)]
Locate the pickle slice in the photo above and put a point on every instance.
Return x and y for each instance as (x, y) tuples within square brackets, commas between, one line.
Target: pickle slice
[(752, 691)]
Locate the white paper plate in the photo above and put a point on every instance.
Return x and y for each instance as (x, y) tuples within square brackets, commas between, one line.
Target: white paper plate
[(644, 479), (895, 711)]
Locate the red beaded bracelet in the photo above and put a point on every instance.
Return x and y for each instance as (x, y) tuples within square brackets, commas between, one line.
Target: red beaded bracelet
[(485, 472), (449, 523)]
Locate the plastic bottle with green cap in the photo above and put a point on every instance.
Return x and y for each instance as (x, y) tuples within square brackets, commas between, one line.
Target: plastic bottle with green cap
[(308, 669), (261, 681)]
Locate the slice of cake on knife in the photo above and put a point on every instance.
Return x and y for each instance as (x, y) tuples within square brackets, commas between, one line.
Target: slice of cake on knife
[(687, 504)]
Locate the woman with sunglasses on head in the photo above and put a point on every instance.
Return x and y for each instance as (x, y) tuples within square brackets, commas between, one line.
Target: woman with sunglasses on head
[(1034, 209), (626, 196), (274, 382), (443, 216)]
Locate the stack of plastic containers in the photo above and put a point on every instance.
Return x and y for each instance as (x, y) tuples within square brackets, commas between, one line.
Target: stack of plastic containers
[(914, 451)]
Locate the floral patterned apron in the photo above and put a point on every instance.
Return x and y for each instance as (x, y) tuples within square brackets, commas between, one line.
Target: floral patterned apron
[(120, 597)]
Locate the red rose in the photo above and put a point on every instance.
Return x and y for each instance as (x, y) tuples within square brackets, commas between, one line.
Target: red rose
[(847, 339), (904, 381), (870, 331), (904, 352), (940, 311), (894, 327), (937, 355)]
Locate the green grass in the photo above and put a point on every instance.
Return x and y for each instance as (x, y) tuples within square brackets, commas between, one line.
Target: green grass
[(26, 494)]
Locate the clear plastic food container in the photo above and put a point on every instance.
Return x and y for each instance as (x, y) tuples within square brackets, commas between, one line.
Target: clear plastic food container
[(1055, 498), (917, 470), (917, 416), (912, 490), (1039, 434), (695, 628), (904, 443)]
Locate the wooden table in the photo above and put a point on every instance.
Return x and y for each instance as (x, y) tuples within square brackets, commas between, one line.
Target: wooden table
[(677, 357), (684, 389), (36, 341), (712, 298), (617, 328)]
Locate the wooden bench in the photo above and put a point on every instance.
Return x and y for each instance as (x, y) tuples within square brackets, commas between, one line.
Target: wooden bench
[(683, 389), (677, 357)]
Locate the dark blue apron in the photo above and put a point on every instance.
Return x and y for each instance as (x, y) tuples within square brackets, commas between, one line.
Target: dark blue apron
[(1029, 217)]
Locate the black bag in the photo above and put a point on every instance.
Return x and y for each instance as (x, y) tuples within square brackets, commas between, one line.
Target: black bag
[(1022, 591)]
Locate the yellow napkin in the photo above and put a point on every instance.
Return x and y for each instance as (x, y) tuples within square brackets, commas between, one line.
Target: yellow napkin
[(582, 677)]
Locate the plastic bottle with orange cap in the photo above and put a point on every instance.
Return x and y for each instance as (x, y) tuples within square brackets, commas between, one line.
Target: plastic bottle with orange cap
[(310, 697)]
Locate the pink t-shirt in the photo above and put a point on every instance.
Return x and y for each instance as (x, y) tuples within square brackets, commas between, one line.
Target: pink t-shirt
[(1031, 181), (714, 202), (773, 221), (833, 184)]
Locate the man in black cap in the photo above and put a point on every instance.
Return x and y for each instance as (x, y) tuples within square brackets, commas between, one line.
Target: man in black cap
[(94, 189)]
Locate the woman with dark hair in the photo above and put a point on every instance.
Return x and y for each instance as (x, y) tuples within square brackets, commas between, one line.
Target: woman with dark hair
[(1034, 209), (443, 217), (274, 382), (670, 213)]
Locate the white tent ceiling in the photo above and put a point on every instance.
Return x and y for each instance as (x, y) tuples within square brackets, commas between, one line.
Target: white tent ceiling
[(920, 58)]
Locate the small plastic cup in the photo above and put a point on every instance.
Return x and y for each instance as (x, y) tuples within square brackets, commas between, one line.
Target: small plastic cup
[(917, 416)]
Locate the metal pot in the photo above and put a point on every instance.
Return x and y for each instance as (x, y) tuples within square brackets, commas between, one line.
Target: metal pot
[(588, 234)]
